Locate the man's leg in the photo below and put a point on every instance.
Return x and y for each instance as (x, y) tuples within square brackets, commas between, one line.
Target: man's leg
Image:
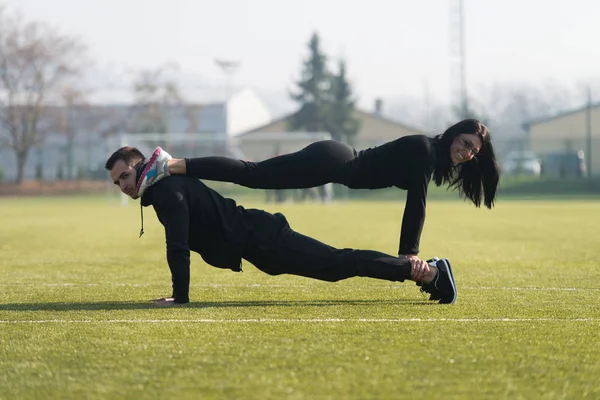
[(301, 255), (297, 254)]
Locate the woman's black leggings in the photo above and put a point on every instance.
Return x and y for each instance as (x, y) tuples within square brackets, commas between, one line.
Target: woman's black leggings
[(319, 163)]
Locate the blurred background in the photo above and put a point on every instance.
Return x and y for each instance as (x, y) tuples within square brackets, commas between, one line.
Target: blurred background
[(256, 78)]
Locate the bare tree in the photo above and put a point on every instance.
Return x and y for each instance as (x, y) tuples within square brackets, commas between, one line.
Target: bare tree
[(192, 116), (35, 59), (154, 94), (512, 104), (65, 117)]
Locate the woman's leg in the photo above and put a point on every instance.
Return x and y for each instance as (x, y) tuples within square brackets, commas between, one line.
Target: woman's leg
[(315, 165)]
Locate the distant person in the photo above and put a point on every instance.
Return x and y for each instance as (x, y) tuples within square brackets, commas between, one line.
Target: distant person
[(279, 195), (197, 218), (462, 157)]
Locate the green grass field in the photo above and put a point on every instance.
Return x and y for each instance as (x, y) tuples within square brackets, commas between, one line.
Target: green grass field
[(75, 320)]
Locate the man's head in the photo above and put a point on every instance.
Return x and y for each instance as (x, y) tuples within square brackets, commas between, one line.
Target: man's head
[(122, 167)]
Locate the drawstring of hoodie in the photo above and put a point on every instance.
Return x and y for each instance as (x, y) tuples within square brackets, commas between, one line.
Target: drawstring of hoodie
[(142, 215), (140, 169)]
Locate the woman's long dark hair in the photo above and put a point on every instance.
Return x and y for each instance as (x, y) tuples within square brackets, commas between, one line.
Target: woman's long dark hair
[(474, 179)]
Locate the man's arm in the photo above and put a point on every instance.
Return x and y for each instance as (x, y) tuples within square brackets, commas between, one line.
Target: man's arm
[(173, 211)]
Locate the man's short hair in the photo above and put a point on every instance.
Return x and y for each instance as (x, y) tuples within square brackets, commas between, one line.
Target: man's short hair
[(126, 153)]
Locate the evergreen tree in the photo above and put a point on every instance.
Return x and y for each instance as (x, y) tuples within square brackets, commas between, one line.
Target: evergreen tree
[(341, 123), (312, 91)]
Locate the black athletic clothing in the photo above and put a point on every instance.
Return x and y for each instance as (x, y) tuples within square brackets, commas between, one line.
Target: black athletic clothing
[(199, 219), (406, 163)]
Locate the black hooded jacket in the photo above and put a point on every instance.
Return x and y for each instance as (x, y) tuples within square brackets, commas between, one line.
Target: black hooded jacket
[(199, 219)]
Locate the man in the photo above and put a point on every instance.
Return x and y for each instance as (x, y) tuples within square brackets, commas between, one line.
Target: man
[(199, 219)]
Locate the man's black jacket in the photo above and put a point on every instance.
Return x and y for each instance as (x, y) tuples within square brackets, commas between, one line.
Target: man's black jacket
[(198, 218)]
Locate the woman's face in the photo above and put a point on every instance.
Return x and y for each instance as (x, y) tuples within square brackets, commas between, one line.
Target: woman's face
[(464, 147)]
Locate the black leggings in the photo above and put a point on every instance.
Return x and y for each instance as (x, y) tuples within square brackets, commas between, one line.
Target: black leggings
[(319, 163), (297, 254)]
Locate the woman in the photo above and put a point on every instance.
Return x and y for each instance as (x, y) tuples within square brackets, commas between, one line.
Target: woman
[(462, 158)]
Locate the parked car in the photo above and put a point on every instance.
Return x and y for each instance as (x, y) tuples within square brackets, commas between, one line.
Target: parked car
[(521, 163), (564, 163)]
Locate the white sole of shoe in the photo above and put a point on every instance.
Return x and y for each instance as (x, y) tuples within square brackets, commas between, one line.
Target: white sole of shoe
[(446, 263)]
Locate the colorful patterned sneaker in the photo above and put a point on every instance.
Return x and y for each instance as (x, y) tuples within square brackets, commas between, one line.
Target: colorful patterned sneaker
[(156, 169), (442, 287)]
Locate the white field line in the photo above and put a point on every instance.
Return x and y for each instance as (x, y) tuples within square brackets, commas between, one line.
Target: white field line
[(299, 320), (257, 285), (543, 289)]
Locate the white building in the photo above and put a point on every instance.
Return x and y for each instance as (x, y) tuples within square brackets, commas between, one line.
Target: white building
[(110, 114)]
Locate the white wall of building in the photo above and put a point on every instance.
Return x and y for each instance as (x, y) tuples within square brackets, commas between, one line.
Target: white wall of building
[(245, 110)]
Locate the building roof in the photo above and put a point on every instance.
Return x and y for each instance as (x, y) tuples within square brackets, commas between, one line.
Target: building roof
[(562, 114), (382, 117), (361, 113)]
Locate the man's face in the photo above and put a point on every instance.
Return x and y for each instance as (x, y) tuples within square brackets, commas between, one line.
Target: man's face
[(123, 176)]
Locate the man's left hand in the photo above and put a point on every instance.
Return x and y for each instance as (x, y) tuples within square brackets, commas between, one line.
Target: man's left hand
[(164, 302)]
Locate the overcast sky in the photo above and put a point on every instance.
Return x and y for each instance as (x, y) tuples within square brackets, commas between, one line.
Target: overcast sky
[(393, 47)]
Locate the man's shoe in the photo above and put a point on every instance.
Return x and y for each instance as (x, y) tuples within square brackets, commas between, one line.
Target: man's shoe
[(434, 295), (442, 287), (156, 169)]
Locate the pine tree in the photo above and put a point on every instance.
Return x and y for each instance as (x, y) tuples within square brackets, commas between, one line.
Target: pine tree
[(341, 123), (312, 91)]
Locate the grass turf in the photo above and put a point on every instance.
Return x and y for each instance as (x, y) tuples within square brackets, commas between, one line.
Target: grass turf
[(75, 321)]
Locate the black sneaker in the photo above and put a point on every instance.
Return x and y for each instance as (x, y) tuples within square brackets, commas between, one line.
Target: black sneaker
[(442, 287), (427, 288)]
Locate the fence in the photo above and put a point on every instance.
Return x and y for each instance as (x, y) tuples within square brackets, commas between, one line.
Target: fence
[(84, 156)]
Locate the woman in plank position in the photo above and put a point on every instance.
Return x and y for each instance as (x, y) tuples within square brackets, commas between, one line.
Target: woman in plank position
[(462, 158)]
